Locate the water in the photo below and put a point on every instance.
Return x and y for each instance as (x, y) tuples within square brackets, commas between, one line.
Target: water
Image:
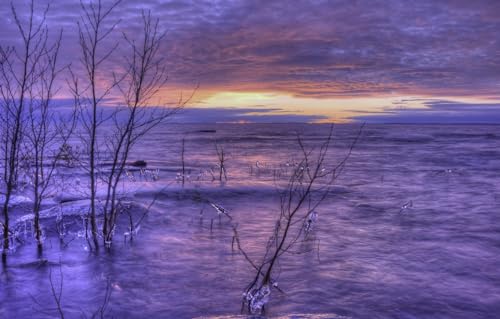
[(410, 231)]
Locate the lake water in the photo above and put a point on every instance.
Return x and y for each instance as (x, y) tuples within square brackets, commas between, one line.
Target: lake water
[(411, 229)]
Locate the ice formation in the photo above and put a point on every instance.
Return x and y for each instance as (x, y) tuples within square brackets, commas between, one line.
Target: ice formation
[(220, 210), (310, 221), (258, 298), (406, 206)]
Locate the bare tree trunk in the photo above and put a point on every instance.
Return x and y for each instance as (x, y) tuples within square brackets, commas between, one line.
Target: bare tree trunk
[(183, 162), (222, 161), (146, 75), (44, 133), (19, 72), (92, 34)]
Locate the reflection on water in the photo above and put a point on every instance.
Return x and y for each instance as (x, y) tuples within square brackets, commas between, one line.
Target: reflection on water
[(379, 256)]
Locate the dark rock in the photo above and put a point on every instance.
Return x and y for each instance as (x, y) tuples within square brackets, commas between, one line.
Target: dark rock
[(139, 163), (206, 131)]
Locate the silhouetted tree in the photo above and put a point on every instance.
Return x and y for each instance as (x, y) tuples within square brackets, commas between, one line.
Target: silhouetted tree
[(89, 93), (309, 183), (26, 72), (143, 76)]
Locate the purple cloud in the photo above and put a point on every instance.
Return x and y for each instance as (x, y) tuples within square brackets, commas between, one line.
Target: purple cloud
[(315, 48), (437, 112)]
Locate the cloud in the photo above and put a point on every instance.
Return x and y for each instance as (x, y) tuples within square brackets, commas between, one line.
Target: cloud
[(257, 114), (313, 48), (236, 115), (437, 111)]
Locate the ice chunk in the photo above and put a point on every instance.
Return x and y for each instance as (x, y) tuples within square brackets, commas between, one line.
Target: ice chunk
[(130, 234), (259, 299), (130, 175), (406, 206), (310, 221), (220, 210), (17, 200)]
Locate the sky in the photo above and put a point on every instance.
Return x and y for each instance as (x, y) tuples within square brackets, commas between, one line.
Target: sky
[(380, 61)]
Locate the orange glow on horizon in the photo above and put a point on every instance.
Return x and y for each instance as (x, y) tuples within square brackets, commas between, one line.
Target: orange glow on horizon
[(334, 109), (339, 109)]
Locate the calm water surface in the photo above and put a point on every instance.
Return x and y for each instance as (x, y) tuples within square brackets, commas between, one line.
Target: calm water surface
[(437, 258)]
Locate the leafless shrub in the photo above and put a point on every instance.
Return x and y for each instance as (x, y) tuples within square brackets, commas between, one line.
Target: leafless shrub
[(143, 76), (47, 135), (56, 292), (308, 185), (221, 165), (88, 93), (101, 311), (27, 76), (183, 172), (135, 226)]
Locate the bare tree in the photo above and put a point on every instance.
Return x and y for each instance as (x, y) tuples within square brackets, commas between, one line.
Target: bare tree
[(183, 172), (145, 76), (56, 291), (46, 134), (20, 70), (308, 185), (221, 156), (90, 94)]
